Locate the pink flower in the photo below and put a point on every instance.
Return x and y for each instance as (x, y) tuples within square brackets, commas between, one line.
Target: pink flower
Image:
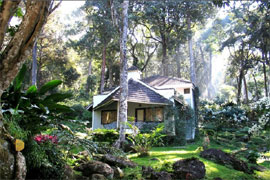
[(44, 138)]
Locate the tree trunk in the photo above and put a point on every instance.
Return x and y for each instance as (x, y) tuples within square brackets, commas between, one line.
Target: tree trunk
[(210, 86), (265, 80), (90, 67), (239, 86), (191, 57), (123, 77), (103, 68), (110, 76), (246, 89), (21, 44), (34, 64), (256, 87), (7, 10), (87, 87), (164, 58), (178, 65)]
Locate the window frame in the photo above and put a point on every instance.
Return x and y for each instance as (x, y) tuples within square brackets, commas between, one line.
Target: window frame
[(108, 111)]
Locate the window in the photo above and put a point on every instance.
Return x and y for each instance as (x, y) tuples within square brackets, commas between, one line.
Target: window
[(108, 117), (187, 91), (149, 114), (140, 114)]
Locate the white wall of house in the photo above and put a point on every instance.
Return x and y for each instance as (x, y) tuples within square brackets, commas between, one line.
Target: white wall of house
[(96, 120), (189, 99), (167, 93), (134, 74)]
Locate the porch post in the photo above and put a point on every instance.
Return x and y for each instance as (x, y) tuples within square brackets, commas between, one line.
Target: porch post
[(118, 107)]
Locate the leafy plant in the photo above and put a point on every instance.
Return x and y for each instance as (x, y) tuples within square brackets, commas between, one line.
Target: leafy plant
[(105, 135), (142, 143), (44, 160), (37, 108)]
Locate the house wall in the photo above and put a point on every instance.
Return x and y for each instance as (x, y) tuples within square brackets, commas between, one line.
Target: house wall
[(134, 74), (167, 93), (179, 89), (96, 120)]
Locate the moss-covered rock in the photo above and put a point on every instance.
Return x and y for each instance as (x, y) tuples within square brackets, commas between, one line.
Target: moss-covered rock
[(7, 160)]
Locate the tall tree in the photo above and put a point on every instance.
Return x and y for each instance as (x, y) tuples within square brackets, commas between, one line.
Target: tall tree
[(123, 105)]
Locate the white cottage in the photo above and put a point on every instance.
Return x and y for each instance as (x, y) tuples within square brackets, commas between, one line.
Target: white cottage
[(147, 99)]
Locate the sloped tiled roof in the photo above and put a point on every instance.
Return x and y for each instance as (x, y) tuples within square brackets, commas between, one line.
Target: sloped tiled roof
[(138, 92), (133, 68), (158, 80)]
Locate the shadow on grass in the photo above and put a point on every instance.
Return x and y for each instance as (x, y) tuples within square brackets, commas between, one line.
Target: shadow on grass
[(160, 155)]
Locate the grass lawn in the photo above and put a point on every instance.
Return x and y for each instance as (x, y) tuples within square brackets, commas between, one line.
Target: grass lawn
[(165, 155)]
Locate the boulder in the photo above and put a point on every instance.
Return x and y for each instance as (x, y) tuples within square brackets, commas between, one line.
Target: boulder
[(223, 158), (20, 166), (149, 173), (191, 168), (117, 161), (7, 161), (68, 173), (95, 167), (118, 173), (98, 177)]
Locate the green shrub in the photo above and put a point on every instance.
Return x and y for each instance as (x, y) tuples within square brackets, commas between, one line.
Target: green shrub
[(142, 142), (105, 135), (37, 108), (44, 161)]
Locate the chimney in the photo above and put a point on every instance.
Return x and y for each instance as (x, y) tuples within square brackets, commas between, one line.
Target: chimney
[(134, 73)]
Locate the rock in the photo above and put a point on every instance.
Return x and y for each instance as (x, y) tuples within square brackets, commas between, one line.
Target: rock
[(191, 168), (68, 173), (98, 177), (118, 173), (223, 158), (117, 161), (258, 168), (154, 159), (95, 167), (20, 166), (217, 178), (149, 173), (7, 161)]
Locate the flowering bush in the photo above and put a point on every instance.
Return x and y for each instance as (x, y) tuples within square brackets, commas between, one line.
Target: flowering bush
[(262, 112), (43, 138), (227, 114)]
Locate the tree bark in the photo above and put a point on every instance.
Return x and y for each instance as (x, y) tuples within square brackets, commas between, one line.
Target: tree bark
[(34, 64), (239, 86), (256, 87), (123, 76), (178, 65), (246, 89), (110, 76), (164, 57), (210, 86), (265, 80), (90, 67), (21, 44), (191, 57), (7, 10), (103, 68)]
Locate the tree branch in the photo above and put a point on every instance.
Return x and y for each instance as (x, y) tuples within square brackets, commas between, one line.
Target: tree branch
[(7, 10)]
